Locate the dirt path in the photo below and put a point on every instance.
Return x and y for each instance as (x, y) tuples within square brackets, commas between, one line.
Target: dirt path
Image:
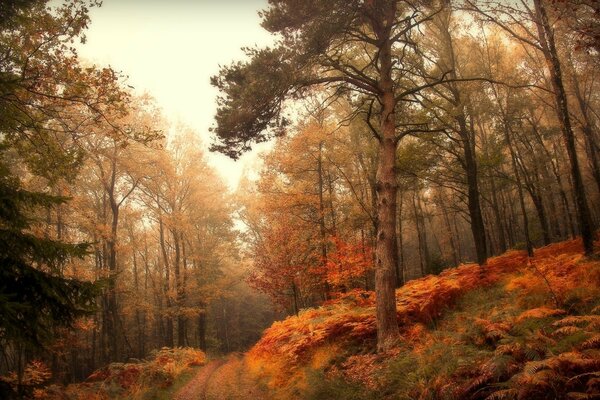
[(223, 379), (196, 389)]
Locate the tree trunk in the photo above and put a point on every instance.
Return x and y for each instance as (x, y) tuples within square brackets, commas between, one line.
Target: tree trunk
[(112, 331), (424, 257), (138, 314), (322, 228), (295, 306), (179, 293), (400, 266), (168, 337), (513, 158), (386, 187), (469, 162), (588, 130), (546, 36), (202, 328), (474, 205), (455, 259)]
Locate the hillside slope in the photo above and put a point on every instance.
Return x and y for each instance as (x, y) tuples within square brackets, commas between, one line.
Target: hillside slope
[(515, 329)]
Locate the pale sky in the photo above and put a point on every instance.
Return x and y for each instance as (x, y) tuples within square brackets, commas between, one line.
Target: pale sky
[(170, 49)]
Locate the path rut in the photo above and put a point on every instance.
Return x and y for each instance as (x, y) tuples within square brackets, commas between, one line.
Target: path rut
[(196, 389)]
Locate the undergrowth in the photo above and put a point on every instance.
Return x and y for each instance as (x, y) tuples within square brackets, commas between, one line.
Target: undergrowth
[(516, 329), (155, 378)]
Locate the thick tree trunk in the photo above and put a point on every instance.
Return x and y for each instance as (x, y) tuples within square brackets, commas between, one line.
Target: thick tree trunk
[(386, 187)]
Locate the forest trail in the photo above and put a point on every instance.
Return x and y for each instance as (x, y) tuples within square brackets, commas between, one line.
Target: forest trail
[(222, 379), (196, 389)]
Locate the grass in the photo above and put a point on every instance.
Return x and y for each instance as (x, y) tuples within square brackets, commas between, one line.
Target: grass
[(156, 393)]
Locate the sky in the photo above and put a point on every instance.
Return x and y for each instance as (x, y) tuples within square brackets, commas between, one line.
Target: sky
[(170, 49)]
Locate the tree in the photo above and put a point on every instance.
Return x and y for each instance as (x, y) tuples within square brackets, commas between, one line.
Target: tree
[(361, 49), (45, 97), (34, 296), (459, 120), (531, 25)]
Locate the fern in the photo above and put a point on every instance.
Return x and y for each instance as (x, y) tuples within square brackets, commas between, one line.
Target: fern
[(582, 396), (567, 330), (534, 366), (591, 343), (540, 312), (579, 320)]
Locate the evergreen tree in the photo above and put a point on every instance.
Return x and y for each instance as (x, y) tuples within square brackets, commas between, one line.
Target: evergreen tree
[(34, 296)]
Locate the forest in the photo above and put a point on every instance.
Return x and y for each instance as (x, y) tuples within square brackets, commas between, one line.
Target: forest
[(420, 220)]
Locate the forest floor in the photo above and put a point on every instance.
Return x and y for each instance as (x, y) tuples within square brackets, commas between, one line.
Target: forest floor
[(519, 329), (222, 379), (195, 389)]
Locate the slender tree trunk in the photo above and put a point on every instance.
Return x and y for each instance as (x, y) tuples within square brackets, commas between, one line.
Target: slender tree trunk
[(469, 162), (588, 131), (178, 289), (499, 222), (138, 316), (202, 328), (422, 234), (546, 36), (534, 188), (455, 259), (112, 330), (295, 307), (513, 159), (459, 249), (419, 236), (168, 337), (473, 198), (322, 228), (184, 266), (497, 217), (541, 213), (400, 266), (331, 207)]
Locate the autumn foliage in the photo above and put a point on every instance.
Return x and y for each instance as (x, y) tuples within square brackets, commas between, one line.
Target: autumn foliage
[(120, 380), (539, 332), (347, 264)]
